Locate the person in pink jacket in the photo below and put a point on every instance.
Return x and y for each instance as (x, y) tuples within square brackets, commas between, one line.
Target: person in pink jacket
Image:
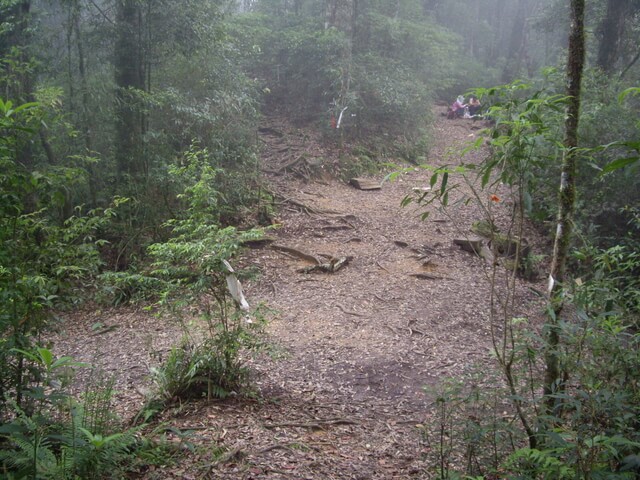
[(456, 110)]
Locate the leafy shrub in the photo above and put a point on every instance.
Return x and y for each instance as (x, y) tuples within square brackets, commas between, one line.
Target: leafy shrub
[(585, 425), (197, 276), (468, 432), (303, 67), (212, 368), (608, 134), (61, 437), (612, 284), (123, 287), (596, 434), (44, 262)]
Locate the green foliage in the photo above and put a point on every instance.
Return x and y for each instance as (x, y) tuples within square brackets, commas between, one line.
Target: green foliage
[(526, 143), (596, 434), (360, 162), (468, 433), (61, 438), (414, 43), (211, 369), (389, 97), (302, 64), (192, 89), (592, 430), (119, 288), (43, 262), (612, 283), (607, 172), (193, 264), (376, 67)]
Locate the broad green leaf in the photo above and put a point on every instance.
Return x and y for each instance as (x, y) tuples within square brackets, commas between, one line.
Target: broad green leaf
[(619, 163), (46, 355), (433, 180), (628, 91), (445, 179)]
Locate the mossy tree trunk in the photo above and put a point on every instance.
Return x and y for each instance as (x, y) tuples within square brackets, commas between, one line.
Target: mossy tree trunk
[(554, 376)]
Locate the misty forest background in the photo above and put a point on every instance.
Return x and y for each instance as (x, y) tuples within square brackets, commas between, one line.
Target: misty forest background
[(129, 150)]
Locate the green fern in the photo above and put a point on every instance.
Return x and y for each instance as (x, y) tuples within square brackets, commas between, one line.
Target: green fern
[(30, 454)]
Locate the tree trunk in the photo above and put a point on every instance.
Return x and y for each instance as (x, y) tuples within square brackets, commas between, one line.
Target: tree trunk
[(86, 118), (130, 82), (554, 377), (14, 43), (611, 32), (517, 43)]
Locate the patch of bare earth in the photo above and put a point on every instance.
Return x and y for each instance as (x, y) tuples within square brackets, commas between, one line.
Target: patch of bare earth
[(359, 346)]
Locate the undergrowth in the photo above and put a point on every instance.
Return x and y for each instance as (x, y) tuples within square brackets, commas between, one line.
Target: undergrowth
[(498, 424)]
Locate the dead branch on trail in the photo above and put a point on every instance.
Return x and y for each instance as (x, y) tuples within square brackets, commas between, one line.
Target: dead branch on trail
[(427, 276), (350, 312), (301, 166), (297, 253), (306, 208), (284, 446), (317, 424), (380, 265), (289, 166), (352, 239), (337, 227), (332, 266)]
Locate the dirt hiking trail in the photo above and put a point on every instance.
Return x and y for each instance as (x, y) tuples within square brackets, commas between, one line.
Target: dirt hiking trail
[(345, 397)]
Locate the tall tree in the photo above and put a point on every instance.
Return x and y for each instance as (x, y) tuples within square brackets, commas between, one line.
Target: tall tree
[(130, 82), (517, 54), (611, 33), (566, 202), (14, 45), (14, 40)]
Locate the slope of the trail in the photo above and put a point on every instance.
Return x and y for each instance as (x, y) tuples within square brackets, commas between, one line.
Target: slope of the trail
[(361, 344), (345, 394), (409, 308)]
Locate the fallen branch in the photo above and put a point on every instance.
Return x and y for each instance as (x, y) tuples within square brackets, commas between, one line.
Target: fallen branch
[(297, 253), (293, 163), (427, 276), (420, 353), (350, 312), (380, 265), (318, 424), (306, 208), (283, 446), (331, 266), (337, 227), (415, 330), (353, 239)]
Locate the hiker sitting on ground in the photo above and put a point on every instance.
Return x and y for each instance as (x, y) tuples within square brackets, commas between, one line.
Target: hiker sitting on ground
[(474, 105), (457, 109)]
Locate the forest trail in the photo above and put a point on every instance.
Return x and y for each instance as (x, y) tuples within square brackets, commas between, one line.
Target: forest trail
[(345, 397)]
